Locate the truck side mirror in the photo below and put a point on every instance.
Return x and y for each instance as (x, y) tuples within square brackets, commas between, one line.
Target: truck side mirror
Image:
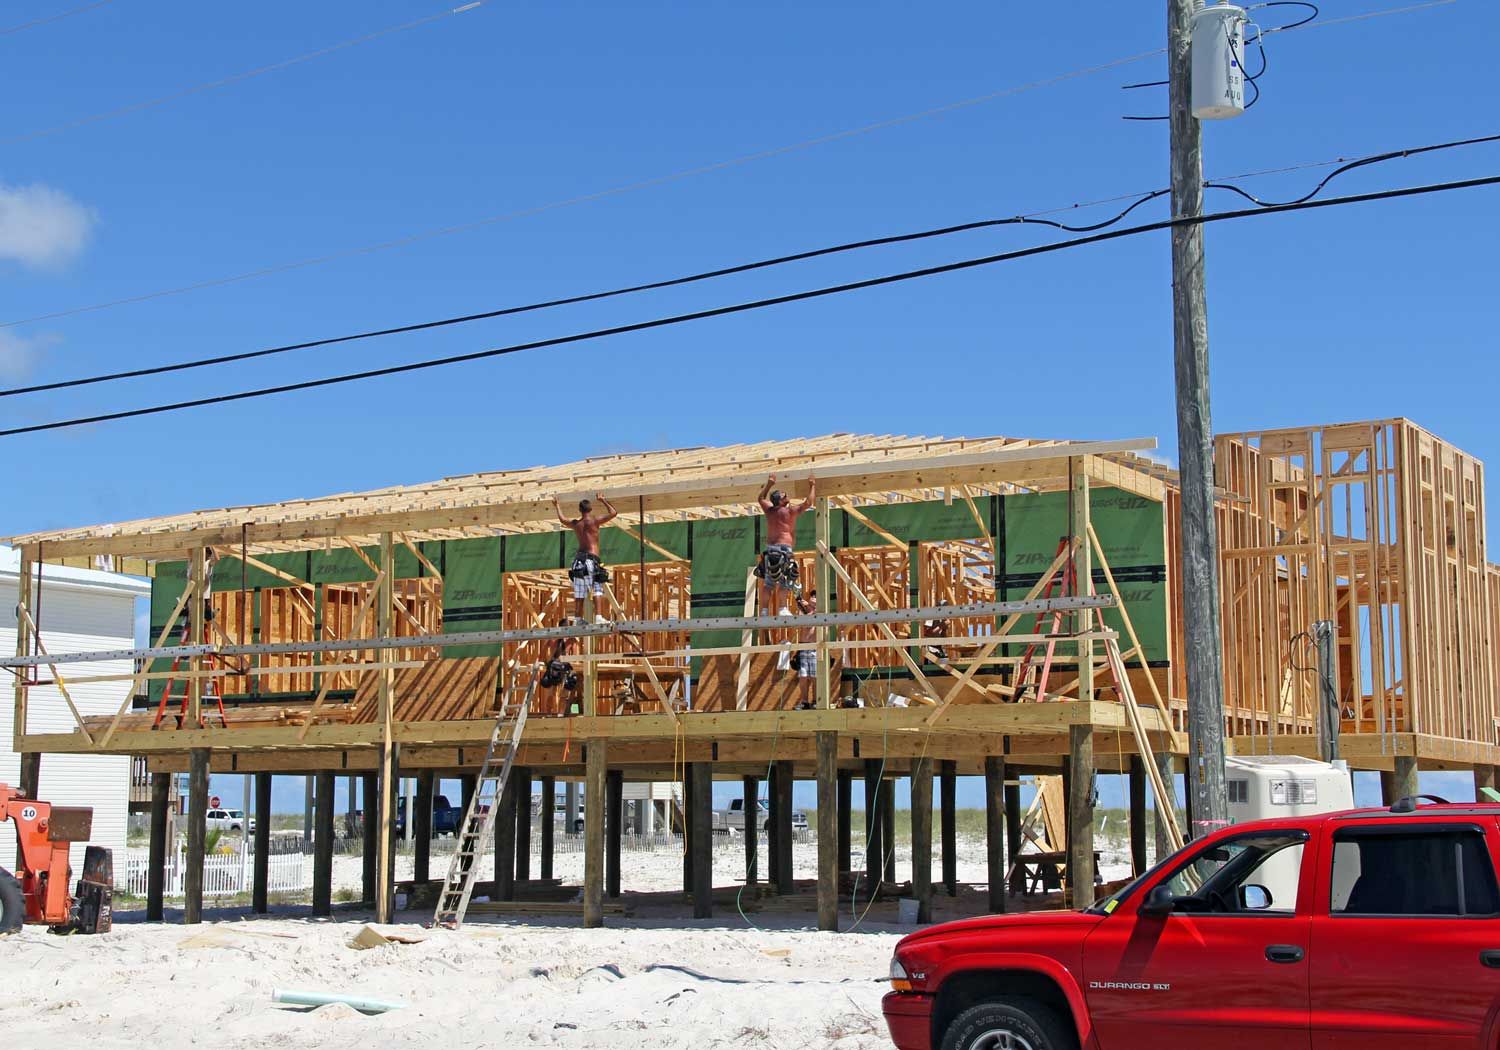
[(1254, 898), (1160, 901)]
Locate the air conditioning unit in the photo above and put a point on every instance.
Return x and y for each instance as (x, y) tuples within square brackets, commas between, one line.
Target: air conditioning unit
[(1266, 786)]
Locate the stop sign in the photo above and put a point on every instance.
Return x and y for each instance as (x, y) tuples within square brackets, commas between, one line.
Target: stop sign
[(213, 802)]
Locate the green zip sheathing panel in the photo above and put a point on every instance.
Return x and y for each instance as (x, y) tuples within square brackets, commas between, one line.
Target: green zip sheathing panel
[(471, 592), (1132, 530)]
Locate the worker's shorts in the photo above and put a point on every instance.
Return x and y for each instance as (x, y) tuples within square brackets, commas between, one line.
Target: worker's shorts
[(807, 663), (586, 570)]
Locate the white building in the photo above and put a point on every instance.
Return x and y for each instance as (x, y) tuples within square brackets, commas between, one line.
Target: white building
[(81, 610)]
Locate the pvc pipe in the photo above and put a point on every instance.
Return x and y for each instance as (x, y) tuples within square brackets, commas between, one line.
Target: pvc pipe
[(364, 1006)]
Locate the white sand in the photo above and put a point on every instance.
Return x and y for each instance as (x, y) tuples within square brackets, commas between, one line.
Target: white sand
[(652, 980), (488, 985)]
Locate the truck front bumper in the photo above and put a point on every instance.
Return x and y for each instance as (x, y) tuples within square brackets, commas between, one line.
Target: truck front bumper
[(909, 1017)]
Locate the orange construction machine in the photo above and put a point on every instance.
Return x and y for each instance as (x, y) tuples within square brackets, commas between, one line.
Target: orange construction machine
[(40, 895)]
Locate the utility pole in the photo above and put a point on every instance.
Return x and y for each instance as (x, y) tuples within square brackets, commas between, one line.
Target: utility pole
[(1203, 652)]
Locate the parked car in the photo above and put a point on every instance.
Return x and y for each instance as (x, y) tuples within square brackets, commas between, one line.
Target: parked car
[(1375, 928), (446, 817), (733, 818), (228, 820)]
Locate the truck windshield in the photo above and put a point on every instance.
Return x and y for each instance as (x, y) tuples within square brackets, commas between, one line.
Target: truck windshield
[(1105, 905)]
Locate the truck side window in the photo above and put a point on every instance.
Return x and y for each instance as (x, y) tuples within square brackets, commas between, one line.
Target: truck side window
[(1256, 874), (1405, 871)]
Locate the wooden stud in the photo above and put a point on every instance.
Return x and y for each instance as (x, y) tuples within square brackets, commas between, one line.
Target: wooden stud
[(702, 839), (549, 825), (824, 583), (1080, 846), (593, 834), (614, 828), (156, 863), (385, 889), (198, 584), (921, 837), (994, 826), (197, 832), (1083, 571), (828, 816), (948, 800), (260, 879), (24, 599), (322, 891)]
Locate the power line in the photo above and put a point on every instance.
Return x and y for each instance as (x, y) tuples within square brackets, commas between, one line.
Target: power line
[(48, 19), (210, 85), (1034, 218), (758, 304), (631, 187), (1350, 166)]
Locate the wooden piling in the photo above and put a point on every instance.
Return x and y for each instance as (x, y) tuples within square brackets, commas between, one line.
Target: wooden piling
[(782, 860), (828, 819), (1137, 783), (948, 799), (197, 831), (548, 818), (1081, 815), (614, 826), (593, 835), (888, 826), (260, 879), (846, 811), (505, 842), (750, 803), (873, 823), (420, 827), (995, 812), (921, 837), (521, 776), (701, 819), (322, 889), (156, 863)]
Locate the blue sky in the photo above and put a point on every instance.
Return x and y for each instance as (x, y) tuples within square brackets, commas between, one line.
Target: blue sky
[(1352, 313)]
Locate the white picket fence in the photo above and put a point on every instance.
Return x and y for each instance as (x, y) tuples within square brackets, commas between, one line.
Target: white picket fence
[(224, 874)]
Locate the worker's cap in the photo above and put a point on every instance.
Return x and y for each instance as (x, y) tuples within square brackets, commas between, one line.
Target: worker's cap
[(778, 498)]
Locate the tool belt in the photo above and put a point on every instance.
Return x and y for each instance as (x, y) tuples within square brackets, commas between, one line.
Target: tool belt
[(559, 672), (777, 566), (586, 566)]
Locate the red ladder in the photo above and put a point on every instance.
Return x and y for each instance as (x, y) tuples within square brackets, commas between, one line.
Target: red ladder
[(1024, 668), (210, 692)]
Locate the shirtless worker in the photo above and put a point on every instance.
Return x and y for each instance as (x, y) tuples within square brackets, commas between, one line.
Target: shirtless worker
[(586, 571), (778, 566)]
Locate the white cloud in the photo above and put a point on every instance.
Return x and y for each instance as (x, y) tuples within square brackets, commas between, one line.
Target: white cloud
[(19, 355), (41, 226)]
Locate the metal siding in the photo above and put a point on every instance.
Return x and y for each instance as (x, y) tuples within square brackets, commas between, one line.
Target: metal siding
[(73, 621)]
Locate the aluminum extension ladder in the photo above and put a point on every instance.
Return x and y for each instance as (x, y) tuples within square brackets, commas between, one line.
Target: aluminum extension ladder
[(479, 818)]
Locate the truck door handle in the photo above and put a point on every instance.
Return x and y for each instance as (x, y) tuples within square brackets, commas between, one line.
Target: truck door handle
[(1491, 959), (1291, 953)]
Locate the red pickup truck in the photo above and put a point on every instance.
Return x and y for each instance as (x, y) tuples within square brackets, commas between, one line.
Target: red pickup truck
[(1361, 930)]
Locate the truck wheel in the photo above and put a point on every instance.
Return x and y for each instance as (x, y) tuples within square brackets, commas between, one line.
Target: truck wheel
[(12, 905), (1008, 1024)]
